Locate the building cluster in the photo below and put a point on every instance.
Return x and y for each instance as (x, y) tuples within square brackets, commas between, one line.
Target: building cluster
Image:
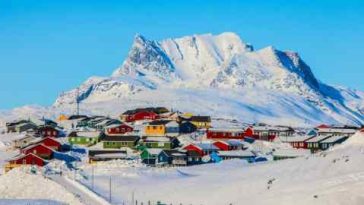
[(37, 144), (154, 135)]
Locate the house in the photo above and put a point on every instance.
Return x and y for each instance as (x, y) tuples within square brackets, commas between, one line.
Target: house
[(336, 131), (202, 148), (225, 134), (49, 142), (45, 122), (84, 137), (28, 159), (165, 143), (105, 123), (177, 157), (229, 145), (20, 126), (331, 141), (154, 157), (298, 142), (118, 129), (187, 127), (95, 155), (40, 150), (236, 154), (48, 131), (201, 122), (162, 128), (23, 141), (150, 113), (119, 141), (314, 143), (193, 157), (268, 133), (279, 154), (77, 117)]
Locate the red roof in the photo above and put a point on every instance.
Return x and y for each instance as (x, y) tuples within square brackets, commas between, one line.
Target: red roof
[(323, 126)]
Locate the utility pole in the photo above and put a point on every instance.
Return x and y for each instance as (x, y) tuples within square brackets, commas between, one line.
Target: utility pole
[(93, 177), (110, 189), (78, 101)]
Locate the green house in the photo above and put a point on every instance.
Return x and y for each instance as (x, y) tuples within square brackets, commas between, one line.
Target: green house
[(165, 143), (84, 137), (154, 156), (119, 141)]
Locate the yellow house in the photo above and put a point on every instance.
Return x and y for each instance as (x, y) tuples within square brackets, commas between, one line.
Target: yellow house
[(201, 122), (162, 128), (156, 128)]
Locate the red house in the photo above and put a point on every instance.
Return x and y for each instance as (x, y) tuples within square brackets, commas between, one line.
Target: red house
[(40, 150), (118, 129), (225, 134), (259, 134), (51, 143), (28, 159), (323, 126), (48, 131), (228, 145), (202, 148)]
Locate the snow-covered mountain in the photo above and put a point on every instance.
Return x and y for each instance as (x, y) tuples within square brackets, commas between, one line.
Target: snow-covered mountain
[(219, 75)]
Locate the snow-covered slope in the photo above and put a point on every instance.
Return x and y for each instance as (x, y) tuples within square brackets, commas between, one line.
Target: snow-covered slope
[(219, 75)]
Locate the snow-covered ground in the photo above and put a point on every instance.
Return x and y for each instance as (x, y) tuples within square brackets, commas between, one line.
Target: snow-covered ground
[(33, 188), (332, 177)]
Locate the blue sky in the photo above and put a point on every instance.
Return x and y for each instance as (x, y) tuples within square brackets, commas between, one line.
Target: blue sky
[(47, 47)]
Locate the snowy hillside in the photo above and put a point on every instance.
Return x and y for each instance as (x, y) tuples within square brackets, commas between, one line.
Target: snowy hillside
[(332, 177), (219, 75)]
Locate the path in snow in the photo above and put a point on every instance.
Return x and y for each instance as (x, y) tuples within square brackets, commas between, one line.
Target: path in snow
[(85, 195)]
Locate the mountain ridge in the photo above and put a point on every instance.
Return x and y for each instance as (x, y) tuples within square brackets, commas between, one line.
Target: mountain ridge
[(265, 84)]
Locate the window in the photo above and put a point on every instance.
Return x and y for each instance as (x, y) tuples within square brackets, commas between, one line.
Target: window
[(190, 159)]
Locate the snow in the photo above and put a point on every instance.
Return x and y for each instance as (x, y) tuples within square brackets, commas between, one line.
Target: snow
[(20, 184)]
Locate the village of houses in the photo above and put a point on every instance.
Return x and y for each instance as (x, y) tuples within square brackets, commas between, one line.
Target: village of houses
[(158, 137)]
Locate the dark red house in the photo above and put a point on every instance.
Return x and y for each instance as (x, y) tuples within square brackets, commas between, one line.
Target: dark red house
[(48, 131), (149, 113), (28, 159), (118, 129), (51, 143), (192, 147), (323, 126), (228, 145), (40, 150), (225, 134), (259, 134), (297, 142)]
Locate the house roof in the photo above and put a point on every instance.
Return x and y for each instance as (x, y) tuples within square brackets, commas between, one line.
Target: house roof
[(200, 118), (318, 138), (154, 151), (118, 125), (35, 145), (171, 153), (157, 139), (160, 122), (296, 138), (236, 153), (333, 139), (206, 146), (157, 110), (89, 134), (121, 138), (226, 130), (235, 142), (271, 128), (337, 130)]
